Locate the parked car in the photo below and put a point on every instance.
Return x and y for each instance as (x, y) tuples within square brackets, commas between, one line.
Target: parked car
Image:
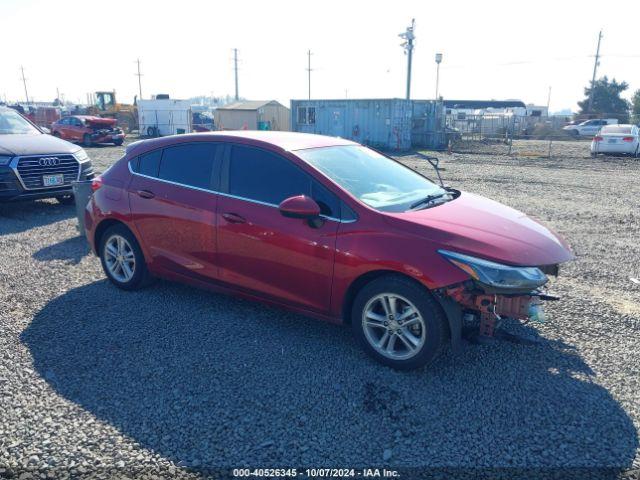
[(617, 139), (589, 127), (88, 130), (36, 165), (322, 226)]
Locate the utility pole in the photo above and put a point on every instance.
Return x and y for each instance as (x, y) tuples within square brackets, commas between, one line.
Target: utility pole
[(24, 82), (408, 37), (595, 68), (139, 75), (235, 69), (548, 99), (309, 70)]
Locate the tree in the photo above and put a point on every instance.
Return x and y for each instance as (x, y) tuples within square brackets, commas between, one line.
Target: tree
[(635, 107), (606, 99)]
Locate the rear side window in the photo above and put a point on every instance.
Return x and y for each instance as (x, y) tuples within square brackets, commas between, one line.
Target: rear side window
[(260, 175), (189, 164), (149, 163)]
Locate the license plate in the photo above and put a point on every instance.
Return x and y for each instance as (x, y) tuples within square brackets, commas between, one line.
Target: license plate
[(52, 180), (612, 140)]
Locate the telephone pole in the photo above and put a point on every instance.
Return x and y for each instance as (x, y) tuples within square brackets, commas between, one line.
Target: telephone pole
[(309, 70), (24, 82), (408, 37), (235, 69), (595, 69), (139, 75)]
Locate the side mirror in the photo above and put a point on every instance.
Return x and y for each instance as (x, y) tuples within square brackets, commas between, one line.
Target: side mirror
[(299, 206)]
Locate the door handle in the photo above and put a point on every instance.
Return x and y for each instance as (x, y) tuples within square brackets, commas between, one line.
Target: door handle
[(233, 218), (145, 194)]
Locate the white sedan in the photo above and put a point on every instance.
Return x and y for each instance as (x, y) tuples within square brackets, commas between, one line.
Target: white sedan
[(617, 139)]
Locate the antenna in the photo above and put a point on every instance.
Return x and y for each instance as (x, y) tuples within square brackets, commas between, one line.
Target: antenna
[(309, 70)]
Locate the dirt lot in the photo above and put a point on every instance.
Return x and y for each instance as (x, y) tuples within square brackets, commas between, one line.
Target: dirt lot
[(174, 380)]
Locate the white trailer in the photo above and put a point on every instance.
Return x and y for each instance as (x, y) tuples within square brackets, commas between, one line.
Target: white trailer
[(163, 117)]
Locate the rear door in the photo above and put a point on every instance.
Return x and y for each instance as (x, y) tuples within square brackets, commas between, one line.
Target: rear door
[(173, 203), (260, 250)]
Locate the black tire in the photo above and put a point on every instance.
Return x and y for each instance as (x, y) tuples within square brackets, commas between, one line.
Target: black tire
[(141, 276), (86, 140), (435, 323), (117, 143), (68, 199), (56, 134)]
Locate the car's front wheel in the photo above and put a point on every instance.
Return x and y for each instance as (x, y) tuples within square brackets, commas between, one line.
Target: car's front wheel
[(68, 199), (122, 259), (399, 323)]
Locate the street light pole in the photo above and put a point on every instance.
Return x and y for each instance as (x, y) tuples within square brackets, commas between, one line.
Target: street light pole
[(438, 61)]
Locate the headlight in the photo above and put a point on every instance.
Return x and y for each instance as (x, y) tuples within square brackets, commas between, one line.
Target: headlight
[(5, 159), (496, 274), (81, 156)]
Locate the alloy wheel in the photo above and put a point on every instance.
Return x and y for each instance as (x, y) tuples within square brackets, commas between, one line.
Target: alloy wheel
[(119, 258), (393, 326)]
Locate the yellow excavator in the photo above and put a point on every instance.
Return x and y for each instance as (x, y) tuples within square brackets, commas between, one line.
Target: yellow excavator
[(106, 105)]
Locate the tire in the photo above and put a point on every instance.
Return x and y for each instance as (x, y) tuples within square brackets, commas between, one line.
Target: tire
[(117, 143), (139, 277), (66, 199), (56, 134), (427, 324), (86, 140)]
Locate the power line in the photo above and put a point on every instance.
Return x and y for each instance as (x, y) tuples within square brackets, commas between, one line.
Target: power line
[(139, 75), (408, 37), (595, 69), (235, 69), (24, 82), (309, 71)]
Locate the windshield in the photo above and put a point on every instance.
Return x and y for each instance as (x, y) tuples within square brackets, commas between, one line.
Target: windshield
[(374, 179), (622, 129), (12, 123)]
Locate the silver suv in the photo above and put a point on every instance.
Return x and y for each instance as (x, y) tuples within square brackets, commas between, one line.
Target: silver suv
[(36, 165)]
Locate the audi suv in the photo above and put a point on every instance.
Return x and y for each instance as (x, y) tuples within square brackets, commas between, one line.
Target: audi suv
[(36, 165), (325, 227)]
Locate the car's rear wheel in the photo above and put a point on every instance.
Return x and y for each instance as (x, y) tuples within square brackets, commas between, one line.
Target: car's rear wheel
[(399, 323), (66, 199), (122, 259), (117, 143), (86, 140)]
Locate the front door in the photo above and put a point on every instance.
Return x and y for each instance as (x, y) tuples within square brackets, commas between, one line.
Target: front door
[(173, 204), (260, 250)]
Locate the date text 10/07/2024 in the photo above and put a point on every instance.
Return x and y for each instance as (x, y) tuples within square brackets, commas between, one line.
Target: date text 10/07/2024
[(315, 473)]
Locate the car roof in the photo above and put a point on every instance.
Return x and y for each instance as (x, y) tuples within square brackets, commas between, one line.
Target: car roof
[(287, 141)]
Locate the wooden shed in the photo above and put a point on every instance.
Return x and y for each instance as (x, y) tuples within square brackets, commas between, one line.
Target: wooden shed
[(253, 115)]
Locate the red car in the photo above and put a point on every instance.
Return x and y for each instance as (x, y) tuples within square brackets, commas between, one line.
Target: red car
[(88, 130), (325, 227)]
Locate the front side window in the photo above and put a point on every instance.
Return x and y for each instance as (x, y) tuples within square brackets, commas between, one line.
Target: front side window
[(374, 179), (256, 174), (12, 123), (188, 164)]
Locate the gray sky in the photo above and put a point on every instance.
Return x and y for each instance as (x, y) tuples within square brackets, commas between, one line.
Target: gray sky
[(500, 50)]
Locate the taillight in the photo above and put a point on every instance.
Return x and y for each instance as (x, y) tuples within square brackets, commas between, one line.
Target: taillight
[(598, 139), (628, 139), (96, 183)]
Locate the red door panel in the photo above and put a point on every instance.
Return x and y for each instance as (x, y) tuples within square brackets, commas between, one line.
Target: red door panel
[(177, 226), (283, 258)]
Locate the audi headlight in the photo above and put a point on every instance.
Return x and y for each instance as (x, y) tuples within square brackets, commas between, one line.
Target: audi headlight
[(5, 159), (495, 274), (81, 156)]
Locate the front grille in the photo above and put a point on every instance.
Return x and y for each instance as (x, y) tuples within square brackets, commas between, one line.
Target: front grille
[(31, 172)]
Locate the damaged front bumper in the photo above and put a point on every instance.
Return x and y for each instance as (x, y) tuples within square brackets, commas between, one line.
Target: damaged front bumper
[(471, 302)]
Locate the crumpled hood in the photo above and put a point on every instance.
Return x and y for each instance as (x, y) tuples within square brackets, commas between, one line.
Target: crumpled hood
[(480, 227), (37, 144)]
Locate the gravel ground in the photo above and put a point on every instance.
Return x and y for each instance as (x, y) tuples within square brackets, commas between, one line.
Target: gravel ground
[(173, 380)]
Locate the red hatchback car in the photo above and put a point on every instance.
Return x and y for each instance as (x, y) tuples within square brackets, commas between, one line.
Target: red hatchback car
[(325, 227)]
